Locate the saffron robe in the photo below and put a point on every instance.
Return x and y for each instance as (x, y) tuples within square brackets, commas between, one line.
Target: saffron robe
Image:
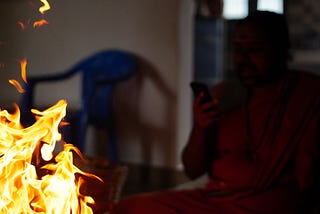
[(284, 127)]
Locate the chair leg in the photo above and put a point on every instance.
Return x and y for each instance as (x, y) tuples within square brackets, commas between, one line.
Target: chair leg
[(112, 145), (80, 138)]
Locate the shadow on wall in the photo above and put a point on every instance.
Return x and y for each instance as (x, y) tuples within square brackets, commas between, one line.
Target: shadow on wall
[(146, 117)]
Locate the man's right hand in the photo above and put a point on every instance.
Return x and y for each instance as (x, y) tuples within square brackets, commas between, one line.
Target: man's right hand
[(205, 114)]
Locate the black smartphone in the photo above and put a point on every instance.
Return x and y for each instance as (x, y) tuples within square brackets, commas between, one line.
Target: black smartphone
[(198, 87)]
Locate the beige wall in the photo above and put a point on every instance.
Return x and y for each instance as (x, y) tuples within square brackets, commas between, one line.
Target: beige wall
[(78, 28)]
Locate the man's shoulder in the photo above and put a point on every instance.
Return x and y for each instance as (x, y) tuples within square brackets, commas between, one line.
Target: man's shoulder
[(307, 87), (308, 80), (307, 75)]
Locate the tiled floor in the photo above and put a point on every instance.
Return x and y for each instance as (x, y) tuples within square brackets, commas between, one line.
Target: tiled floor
[(145, 179)]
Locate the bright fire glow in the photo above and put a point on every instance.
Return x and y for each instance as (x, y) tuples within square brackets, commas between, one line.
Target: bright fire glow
[(44, 7), (32, 180)]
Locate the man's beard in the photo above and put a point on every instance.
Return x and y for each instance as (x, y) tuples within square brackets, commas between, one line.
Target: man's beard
[(250, 76)]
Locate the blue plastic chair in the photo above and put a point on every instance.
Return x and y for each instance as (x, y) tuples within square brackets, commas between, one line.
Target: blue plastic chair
[(100, 73)]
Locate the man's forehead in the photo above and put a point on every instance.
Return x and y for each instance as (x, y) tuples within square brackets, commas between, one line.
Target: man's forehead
[(250, 33), (250, 40)]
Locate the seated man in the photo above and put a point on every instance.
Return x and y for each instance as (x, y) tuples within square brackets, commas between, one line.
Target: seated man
[(261, 155)]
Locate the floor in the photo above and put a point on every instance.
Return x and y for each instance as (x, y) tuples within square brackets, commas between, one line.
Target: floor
[(137, 178), (142, 178)]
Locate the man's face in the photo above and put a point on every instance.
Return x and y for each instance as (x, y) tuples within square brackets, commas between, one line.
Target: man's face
[(253, 55)]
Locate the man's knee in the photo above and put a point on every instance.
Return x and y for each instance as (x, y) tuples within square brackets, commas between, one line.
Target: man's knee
[(131, 204)]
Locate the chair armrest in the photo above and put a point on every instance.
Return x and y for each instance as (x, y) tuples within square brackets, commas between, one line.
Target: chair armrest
[(26, 102), (50, 77)]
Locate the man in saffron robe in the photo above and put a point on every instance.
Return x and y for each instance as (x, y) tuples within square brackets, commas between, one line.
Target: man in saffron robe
[(261, 152)]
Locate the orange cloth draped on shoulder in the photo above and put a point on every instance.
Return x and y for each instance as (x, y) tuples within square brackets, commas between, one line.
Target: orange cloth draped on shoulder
[(284, 129)]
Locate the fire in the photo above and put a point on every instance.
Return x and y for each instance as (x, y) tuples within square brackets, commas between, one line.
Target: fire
[(32, 179), (16, 84), (23, 68), (45, 7), (40, 23)]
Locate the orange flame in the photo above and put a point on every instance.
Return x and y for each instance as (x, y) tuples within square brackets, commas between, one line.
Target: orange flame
[(40, 23), (24, 188), (16, 84), (45, 7), (23, 66)]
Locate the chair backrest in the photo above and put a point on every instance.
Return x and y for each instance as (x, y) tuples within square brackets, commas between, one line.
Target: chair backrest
[(99, 72)]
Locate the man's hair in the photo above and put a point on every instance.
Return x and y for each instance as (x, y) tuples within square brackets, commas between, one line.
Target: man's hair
[(275, 27)]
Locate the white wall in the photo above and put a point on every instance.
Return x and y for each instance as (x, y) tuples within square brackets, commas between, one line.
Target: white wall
[(184, 112), (78, 28)]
